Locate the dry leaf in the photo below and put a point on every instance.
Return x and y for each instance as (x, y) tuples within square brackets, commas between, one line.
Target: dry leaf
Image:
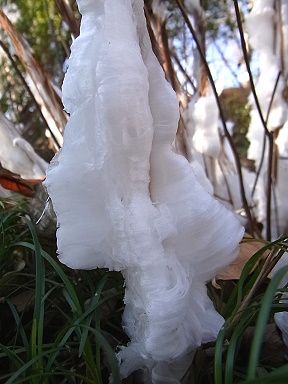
[(247, 250)]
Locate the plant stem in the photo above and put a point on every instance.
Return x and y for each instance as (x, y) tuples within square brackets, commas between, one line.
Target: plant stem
[(246, 207), (258, 107)]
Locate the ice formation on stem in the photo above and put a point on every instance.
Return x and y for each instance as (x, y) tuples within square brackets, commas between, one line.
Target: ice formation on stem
[(205, 118), (137, 207), (269, 40), (209, 151), (17, 155), (212, 157)]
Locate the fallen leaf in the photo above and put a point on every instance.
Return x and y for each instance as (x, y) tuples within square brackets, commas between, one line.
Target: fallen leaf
[(248, 247), (15, 183)]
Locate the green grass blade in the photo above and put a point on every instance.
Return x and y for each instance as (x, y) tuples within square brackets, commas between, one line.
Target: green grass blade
[(277, 376), (18, 324), (262, 321), (38, 315), (59, 343), (219, 356), (93, 302), (11, 355), (251, 264), (233, 344), (63, 373), (67, 283), (113, 362), (25, 367)]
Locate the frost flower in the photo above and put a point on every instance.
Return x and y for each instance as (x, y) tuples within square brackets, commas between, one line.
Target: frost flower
[(137, 207)]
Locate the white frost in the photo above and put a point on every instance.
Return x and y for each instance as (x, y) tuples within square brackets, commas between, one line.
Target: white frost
[(137, 206), (205, 121), (271, 49), (17, 155)]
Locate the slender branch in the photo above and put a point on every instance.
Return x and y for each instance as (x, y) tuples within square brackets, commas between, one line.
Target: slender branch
[(227, 134), (258, 107), (269, 189), (184, 72), (276, 211), (264, 141), (167, 57), (50, 101), (67, 13), (269, 262), (155, 45), (162, 51), (226, 183), (226, 62), (246, 59), (26, 86)]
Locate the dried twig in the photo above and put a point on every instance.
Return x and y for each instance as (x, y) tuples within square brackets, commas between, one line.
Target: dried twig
[(184, 72), (258, 107), (264, 141), (246, 207), (67, 13), (43, 88), (26, 86)]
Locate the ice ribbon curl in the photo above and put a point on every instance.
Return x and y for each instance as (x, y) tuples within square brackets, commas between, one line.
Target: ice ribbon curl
[(137, 206)]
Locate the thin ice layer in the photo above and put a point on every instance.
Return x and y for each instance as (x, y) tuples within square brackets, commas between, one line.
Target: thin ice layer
[(136, 207), (17, 155)]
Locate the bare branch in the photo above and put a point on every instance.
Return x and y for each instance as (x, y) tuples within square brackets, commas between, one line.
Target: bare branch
[(26, 86), (68, 16), (227, 134), (43, 88), (258, 107)]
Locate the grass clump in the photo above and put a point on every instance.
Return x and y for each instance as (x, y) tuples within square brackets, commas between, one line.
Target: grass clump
[(63, 326), (56, 325)]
